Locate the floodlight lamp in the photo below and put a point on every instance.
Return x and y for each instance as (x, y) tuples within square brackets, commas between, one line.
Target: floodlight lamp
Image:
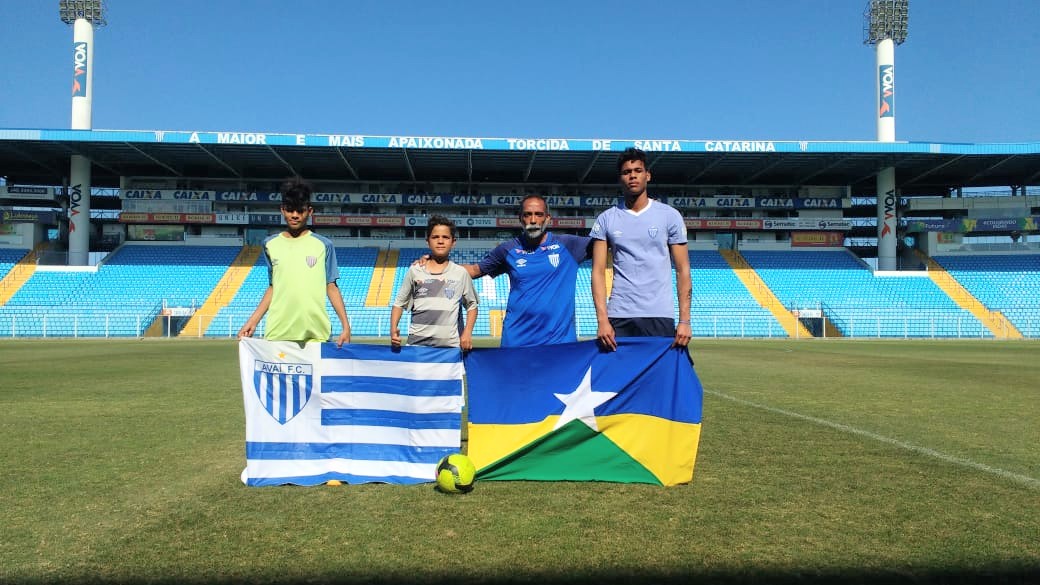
[(93, 11), (885, 19)]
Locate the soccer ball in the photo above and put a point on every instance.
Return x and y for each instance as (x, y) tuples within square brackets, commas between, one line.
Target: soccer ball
[(455, 474)]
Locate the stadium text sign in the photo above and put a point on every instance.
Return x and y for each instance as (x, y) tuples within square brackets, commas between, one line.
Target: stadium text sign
[(435, 142), (886, 91)]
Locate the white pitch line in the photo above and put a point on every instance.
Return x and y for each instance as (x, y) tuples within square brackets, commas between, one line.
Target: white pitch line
[(1015, 477)]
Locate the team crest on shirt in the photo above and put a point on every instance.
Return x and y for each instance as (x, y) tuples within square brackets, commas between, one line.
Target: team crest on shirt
[(312, 261), (554, 259), (653, 232)]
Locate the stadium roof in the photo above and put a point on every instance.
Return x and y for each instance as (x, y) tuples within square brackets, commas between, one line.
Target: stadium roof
[(41, 157)]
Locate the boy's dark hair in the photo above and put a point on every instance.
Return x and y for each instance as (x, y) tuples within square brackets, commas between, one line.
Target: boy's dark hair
[(520, 212), (630, 154), (296, 194), (436, 220)]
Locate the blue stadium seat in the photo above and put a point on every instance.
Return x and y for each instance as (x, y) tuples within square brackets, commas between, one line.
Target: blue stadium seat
[(1002, 282), (859, 303)]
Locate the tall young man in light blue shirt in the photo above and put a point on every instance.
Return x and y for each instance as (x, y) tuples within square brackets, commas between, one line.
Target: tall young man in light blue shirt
[(647, 238)]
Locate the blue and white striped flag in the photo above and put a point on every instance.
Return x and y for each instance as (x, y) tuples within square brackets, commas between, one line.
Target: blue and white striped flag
[(360, 413)]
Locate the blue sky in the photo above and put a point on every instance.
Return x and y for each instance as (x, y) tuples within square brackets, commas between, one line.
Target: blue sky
[(685, 69)]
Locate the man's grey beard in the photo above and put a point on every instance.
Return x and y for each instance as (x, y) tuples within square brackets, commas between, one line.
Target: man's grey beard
[(534, 231)]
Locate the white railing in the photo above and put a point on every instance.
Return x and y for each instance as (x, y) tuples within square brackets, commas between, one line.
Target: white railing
[(74, 325), (376, 323)]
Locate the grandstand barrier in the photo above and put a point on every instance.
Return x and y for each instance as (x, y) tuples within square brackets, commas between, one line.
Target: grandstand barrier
[(895, 324), (906, 325), (63, 325)]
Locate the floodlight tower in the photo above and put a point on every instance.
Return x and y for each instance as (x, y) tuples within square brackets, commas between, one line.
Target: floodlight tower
[(83, 15), (885, 26)]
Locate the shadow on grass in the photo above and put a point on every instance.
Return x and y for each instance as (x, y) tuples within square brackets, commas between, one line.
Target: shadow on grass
[(1018, 574)]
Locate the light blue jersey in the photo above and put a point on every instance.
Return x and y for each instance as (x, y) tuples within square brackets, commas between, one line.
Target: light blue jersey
[(642, 258)]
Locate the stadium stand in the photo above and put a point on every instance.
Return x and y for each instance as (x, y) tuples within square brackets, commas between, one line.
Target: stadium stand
[(356, 266), (138, 283), (1007, 283), (803, 213), (231, 317), (858, 302), (16, 267), (123, 297), (8, 258), (721, 304)]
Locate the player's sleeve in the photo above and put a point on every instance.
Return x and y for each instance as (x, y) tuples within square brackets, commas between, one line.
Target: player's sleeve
[(676, 228), (267, 260), (469, 292), (580, 247), (404, 292), (494, 262), (600, 228), (331, 266)]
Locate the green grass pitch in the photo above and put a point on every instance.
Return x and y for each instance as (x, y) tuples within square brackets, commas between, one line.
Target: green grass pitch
[(820, 461)]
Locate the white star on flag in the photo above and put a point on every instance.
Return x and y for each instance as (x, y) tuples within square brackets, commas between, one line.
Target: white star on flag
[(582, 403)]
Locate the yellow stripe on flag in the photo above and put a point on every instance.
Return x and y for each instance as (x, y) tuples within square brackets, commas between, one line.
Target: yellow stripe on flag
[(489, 443), (667, 448)]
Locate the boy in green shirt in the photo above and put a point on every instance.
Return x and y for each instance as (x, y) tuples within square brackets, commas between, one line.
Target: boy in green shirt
[(302, 272)]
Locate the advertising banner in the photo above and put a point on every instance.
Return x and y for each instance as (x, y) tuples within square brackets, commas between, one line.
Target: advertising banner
[(195, 218), (359, 220), (969, 225), (27, 193), (199, 195), (806, 224), (8, 215), (265, 219), (817, 239), (157, 233), (233, 218), (715, 223)]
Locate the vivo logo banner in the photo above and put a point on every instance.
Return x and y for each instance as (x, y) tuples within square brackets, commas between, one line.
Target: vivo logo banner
[(887, 91), (79, 69)]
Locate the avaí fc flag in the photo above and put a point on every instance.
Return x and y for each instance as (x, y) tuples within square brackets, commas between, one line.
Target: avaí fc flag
[(360, 413)]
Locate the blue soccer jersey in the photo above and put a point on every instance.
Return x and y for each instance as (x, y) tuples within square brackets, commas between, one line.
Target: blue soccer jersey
[(541, 288)]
